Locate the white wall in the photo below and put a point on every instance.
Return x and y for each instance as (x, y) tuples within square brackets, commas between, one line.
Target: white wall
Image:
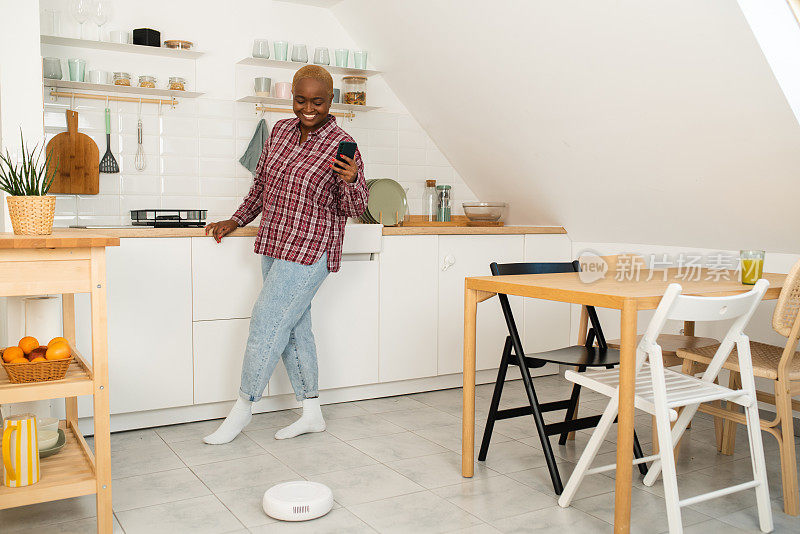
[(193, 150)]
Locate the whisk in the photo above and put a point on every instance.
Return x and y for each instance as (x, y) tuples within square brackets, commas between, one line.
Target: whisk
[(140, 161)]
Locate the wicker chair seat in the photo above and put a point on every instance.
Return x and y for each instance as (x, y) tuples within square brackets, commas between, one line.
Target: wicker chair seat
[(765, 359)]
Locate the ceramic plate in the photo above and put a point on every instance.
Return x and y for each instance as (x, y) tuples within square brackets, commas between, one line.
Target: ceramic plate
[(387, 197), (62, 440)]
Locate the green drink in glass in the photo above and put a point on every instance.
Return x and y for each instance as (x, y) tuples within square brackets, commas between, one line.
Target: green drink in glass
[(752, 265)]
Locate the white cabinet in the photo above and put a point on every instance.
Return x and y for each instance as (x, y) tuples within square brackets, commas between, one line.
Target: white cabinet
[(344, 317), (218, 354), (226, 277), (461, 257), (408, 307), (149, 325), (547, 324)]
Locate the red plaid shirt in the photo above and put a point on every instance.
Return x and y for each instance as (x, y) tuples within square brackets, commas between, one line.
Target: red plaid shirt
[(304, 204)]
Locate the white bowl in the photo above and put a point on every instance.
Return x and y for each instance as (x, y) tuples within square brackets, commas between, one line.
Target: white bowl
[(47, 438), (47, 423), (484, 211)]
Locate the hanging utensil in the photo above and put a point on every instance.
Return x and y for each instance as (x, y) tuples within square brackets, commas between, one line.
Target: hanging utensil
[(108, 164), (140, 162)]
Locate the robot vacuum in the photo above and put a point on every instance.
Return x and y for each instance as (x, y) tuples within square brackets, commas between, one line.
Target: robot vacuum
[(300, 500)]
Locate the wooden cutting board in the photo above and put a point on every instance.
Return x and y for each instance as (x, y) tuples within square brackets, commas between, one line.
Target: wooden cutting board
[(78, 160)]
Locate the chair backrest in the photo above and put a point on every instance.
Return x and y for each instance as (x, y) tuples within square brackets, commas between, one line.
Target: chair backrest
[(502, 269), (786, 310)]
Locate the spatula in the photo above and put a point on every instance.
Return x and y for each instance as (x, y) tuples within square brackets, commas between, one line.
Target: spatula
[(108, 164)]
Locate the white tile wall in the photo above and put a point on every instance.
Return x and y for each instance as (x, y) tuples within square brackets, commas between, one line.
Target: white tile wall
[(192, 155)]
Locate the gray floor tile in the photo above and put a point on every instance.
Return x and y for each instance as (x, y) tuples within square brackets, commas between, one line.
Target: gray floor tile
[(495, 497), (713, 526), (421, 418), (539, 479), (279, 419), (135, 438), (394, 447), (420, 513), (196, 452), (230, 475), (553, 520), (203, 515), (389, 404), (449, 436), (82, 526), (266, 439), (510, 456), (142, 461), (362, 426), (247, 504), (571, 450), (324, 458), (340, 410), (365, 484), (185, 431), (437, 470), (36, 516), (484, 528), (334, 522), (156, 488), (747, 519)]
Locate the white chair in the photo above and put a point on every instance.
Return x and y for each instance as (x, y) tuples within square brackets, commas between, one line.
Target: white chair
[(661, 392)]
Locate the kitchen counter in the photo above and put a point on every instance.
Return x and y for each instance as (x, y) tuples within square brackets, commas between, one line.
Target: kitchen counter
[(60, 238)]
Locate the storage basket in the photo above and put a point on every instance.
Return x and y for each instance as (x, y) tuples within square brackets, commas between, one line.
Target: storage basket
[(32, 215), (22, 373)]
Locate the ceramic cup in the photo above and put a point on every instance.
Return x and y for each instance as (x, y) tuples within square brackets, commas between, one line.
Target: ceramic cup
[(360, 59), (341, 56), (300, 53), (51, 68), (337, 95), (322, 56), (117, 36), (281, 49), (262, 86), (261, 48), (283, 90), (77, 69), (98, 76)]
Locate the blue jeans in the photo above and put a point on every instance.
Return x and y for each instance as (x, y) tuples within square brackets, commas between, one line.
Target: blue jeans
[(280, 326)]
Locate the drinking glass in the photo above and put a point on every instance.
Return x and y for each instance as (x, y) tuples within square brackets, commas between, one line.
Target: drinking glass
[(281, 49), (752, 265), (52, 68), (77, 69), (81, 10), (300, 53), (51, 22), (360, 59), (341, 57), (101, 13), (261, 48), (322, 56)]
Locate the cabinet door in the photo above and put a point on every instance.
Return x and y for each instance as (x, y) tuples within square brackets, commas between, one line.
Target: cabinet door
[(226, 278), (344, 316), (218, 354), (547, 323), (149, 325), (461, 257), (408, 298)]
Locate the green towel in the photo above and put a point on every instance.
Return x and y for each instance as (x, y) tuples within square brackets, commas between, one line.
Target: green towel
[(251, 156)]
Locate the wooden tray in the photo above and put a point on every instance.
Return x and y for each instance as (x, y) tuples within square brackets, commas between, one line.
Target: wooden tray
[(455, 220)]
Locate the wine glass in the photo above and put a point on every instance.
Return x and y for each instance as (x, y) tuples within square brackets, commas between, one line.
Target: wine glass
[(101, 13), (80, 11)]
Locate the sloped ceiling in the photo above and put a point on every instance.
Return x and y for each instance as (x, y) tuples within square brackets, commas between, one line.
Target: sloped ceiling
[(635, 121)]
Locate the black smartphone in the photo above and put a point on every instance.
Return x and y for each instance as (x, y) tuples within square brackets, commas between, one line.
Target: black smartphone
[(347, 148)]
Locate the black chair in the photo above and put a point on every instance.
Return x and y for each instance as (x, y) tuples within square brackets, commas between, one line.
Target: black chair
[(580, 356)]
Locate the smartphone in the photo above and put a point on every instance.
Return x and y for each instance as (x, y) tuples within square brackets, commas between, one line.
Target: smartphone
[(347, 148)]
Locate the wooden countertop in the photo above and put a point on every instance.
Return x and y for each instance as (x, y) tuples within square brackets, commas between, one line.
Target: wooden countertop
[(60, 238), (143, 231)]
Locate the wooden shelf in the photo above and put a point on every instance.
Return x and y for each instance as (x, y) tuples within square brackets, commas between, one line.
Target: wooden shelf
[(119, 47), (260, 62), (70, 473), (78, 381), (286, 102), (118, 89)]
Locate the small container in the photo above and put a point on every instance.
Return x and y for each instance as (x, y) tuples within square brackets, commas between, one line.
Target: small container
[(122, 78), (176, 83), (752, 266), (430, 201), (443, 213), (354, 89), (147, 37), (484, 211), (178, 44), (147, 81)]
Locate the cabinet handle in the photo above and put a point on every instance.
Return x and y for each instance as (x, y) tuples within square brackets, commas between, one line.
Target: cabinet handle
[(448, 262)]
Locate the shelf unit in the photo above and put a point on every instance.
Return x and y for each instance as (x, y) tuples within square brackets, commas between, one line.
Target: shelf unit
[(347, 71), (144, 92), (119, 47), (65, 263), (268, 100)]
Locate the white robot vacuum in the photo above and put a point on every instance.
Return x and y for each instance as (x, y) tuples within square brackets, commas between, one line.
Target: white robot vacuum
[(300, 500)]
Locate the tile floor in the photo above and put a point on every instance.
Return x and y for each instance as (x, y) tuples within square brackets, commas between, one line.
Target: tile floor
[(394, 467)]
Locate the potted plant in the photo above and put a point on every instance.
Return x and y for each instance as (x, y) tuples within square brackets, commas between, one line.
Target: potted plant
[(28, 181)]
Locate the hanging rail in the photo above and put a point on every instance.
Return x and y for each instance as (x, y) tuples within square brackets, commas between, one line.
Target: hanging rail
[(71, 94), (345, 114)]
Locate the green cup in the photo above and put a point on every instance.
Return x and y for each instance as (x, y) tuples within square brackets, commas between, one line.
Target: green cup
[(752, 265)]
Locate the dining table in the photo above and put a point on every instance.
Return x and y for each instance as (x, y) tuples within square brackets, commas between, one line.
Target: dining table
[(627, 293)]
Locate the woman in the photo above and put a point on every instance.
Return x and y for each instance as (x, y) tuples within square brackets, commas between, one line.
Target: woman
[(305, 196)]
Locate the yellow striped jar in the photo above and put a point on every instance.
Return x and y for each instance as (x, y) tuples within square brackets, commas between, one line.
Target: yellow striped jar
[(20, 451)]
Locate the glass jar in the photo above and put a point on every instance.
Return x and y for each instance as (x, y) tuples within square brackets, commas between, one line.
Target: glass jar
[(443, 214), (430, 201), (147, 81), (122, 78), (354, 90), (176, 83)]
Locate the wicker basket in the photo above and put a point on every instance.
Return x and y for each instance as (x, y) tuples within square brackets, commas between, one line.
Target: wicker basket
[(32, 215), (21, 373)]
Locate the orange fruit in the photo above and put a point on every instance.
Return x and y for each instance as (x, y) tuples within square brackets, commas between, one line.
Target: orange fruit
[(57, 340), (28, 343), (20, 360), (12, 353), (37, 352), (57, 351), (39, 359)]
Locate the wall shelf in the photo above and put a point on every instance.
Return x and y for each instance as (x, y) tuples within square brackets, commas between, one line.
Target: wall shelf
[(259, 62), (119, 47), (286, 102), (144, 92)]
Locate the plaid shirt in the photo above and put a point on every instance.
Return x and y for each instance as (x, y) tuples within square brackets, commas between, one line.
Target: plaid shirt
[(304, 204)]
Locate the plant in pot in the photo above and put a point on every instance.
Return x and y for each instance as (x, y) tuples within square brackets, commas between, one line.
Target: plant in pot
[(27, 182)]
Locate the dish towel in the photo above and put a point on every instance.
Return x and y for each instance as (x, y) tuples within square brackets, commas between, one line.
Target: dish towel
[(250, 157)]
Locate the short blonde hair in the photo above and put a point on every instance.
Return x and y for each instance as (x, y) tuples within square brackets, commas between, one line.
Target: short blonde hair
[(316, 72)]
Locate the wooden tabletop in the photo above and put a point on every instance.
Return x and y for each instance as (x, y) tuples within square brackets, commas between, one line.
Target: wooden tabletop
[(472, 230), (60, 238), (611, 293)]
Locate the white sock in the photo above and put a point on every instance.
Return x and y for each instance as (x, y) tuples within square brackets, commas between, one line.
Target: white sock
[(310, 421), (240, 416)]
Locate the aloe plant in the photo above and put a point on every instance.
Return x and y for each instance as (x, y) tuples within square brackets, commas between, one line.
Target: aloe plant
[(30, 176)]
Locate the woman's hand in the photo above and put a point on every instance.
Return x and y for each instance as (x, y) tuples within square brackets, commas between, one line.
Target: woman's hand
[(221, 229), (347, 169)]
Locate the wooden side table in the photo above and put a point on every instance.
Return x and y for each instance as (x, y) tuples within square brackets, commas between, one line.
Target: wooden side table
[(66, 262)]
